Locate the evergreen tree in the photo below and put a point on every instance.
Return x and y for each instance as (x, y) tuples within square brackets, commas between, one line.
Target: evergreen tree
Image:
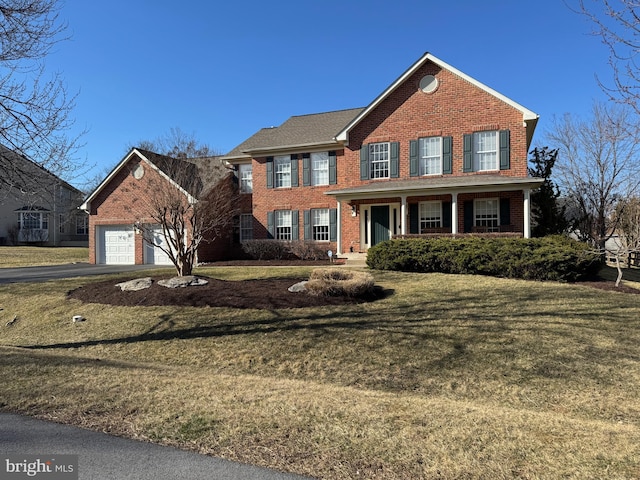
[(548, 216)]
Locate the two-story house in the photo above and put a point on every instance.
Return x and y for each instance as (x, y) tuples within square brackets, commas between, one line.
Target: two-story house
[(436, 152), (38, 207)]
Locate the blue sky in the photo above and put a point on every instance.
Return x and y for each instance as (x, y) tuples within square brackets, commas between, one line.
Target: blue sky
[(223, 70)]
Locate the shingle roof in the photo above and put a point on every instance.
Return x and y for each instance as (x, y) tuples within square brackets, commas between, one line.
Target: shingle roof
[(194, 175), (297, 131)]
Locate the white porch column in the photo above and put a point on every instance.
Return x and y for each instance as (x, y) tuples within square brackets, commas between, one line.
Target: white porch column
[(339, 229), (403, 215), (454, 212), (527, 213)]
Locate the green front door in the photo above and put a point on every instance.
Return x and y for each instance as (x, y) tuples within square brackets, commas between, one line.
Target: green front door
[(379, 224)]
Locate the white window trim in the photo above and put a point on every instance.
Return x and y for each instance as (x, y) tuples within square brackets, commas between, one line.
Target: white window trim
[(282, 171), (420, 212), (325, 212), (324, 171), (477, 152), (245, 177), (372, 162), (280, 222), (476, 220), (421, 156)]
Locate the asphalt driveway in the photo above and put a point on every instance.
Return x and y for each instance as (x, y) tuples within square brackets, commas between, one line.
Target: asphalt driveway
[(103, 457), (53, 272)]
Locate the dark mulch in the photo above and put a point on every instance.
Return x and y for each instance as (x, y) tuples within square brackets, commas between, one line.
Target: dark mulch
[(609, 286), (268, 293)]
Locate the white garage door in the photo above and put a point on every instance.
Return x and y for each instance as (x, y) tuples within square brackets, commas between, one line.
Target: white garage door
[(153, 254), (116, 245)]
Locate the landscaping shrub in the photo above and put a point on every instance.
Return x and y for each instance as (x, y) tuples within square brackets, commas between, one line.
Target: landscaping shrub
[(333, 282), (305, 250), (549, 258), (266, 249)]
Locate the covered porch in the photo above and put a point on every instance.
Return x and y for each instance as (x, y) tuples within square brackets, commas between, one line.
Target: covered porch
[(488, 204)]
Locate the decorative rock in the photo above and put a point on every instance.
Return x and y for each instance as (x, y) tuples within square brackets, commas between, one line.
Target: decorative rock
[(181, 282), (298, 287), (136, 284)]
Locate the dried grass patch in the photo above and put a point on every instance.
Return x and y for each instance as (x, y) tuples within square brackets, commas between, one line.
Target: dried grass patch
[(334, 282)]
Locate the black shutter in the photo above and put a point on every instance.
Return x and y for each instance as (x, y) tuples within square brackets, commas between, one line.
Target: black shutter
[(333, 224), (394, 160), (295, 229), (467, 157), (414, 165), (306, 169), (271, 225), (414, 222), (505, 211), (446, 214), (294, 170), (505, 161), (447, 162), (307, 224), (469, 219), (269, 172), (333, 168), (364, 162)]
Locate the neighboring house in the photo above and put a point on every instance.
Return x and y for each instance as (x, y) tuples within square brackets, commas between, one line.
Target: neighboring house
[(36, 206), (435, 152), (124, 198)]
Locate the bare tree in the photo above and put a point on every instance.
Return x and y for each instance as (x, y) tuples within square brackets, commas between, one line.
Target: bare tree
[(597, 166), (617, 23), (177, 144), (195, 209), (35, 108), (627, 240)]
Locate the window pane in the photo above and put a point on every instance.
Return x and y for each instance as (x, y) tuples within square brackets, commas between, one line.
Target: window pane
[(486, 214), (320, 224), (431, 156), (283, 225), (320, 168), (485, 150), (283, 171), (379, 159), (430, 215), (246, 227), (246, 178)]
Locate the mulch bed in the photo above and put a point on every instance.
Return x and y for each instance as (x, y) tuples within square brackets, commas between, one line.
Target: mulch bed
[(271, 293)]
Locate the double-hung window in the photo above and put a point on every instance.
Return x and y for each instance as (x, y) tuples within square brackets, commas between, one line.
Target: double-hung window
[(283, 230), (245, 174), (486, 212), (320, 224), (282, 164), (430, 156), (379, 158), (485, 151), (246, 227), (430, 215), (82, 225), (320, 168)]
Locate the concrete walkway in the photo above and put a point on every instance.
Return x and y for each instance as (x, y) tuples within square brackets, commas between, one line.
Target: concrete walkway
[(103, 457)]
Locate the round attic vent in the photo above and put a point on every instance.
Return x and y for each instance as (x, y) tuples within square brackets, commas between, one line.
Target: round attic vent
[(138, 172), (428, 84)]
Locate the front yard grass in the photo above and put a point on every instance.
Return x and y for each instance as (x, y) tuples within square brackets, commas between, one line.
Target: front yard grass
[(23, 256), (448, 377)]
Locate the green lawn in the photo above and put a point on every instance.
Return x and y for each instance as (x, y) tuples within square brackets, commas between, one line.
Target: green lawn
[(447, 377), (36, 256)]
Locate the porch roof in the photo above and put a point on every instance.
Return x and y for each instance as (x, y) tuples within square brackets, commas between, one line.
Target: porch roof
[(436, 186)]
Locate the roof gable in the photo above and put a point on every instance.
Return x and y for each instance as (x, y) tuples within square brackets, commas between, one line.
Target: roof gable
[(190, 176), (343, 135)]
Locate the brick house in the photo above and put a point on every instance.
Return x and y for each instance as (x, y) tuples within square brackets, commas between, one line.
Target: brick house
[(435, 152), (122, 202)]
